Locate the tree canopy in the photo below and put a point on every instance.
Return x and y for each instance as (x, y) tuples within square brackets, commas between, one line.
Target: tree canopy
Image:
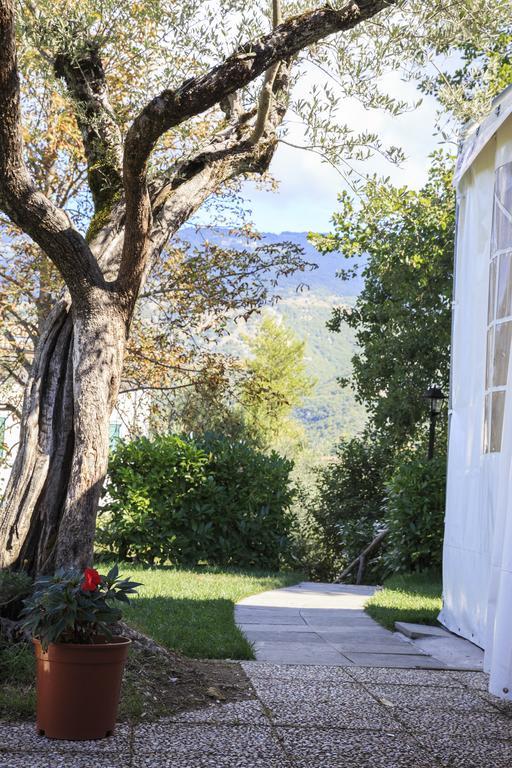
[(405, 241), (277, 383)]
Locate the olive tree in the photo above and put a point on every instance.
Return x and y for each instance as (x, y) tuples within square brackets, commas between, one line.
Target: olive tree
[(224, 77)]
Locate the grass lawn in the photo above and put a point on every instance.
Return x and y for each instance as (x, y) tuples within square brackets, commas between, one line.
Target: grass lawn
[(192, 610), (414, 597), (17, 684), (185, 610)]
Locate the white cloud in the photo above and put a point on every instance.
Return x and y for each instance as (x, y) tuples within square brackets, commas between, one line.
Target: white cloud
[(309, 187)]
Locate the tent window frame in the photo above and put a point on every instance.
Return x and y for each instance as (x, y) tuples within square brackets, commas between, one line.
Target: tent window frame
[(499, 312)]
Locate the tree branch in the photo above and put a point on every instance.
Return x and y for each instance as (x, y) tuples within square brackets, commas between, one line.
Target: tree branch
[(195, 179), (264, 104), (25, 205), (13, 281), (148, 388), (265, 97), (13, 374), (194, 96), (181, 192), (29, 327), (12, 409), (85, 80), (199, 94)]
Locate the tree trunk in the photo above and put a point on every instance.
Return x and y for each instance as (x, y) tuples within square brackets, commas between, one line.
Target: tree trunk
[(49, 506)]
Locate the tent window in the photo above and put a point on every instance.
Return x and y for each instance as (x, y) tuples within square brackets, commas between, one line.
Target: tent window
[(497, 409), (504, 295), (499, 313), (501, 238), (502, 338), (492, 290)]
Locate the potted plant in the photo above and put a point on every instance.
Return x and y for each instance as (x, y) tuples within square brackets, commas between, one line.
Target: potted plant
[(80, 661)]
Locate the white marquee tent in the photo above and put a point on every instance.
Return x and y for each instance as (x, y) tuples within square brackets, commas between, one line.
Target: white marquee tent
[(477, 567)]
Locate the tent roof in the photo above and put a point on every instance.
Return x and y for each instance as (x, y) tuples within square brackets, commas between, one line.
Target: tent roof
[(477, 135)]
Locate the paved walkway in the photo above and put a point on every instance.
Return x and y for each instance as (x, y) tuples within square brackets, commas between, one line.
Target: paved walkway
[(324, 624), (344, 702), (304, 717)]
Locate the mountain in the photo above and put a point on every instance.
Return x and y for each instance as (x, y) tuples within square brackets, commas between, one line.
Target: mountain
[(330, 412), (320, 280)]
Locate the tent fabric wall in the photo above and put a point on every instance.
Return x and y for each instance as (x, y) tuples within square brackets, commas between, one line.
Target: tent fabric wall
[(472, 476), (498, 645), (477, 560)]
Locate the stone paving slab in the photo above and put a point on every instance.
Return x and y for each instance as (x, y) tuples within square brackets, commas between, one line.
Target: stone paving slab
[(424, 677), (157, 760), (342, 633), (456, 723), (262, 627), (313, 623), (281, 636), (304, 717), (400, 660), (249, 712), (348, 693), (312, 714), (467, 753), (453, 651), (419, 630), (299, 653), (14, 734), (376, 646), (190, 739), (269, 671), (268, 616), (59, 760), (326, 747), (345, 589), (471, 678), (423, 697)]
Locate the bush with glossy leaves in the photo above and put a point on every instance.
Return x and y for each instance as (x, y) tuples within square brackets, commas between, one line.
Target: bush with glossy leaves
[(415, 506), (217, 500)]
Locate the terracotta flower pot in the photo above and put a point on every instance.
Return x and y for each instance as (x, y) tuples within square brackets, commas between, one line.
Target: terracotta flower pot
[(78, 688)]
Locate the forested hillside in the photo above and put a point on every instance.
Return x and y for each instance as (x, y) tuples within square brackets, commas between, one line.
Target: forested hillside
[(305, 306)]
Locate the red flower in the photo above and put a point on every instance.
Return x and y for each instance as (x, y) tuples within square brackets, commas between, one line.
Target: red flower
[(91, 580)]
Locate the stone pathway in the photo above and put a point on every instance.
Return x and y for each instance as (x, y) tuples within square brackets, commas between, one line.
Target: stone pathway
[(304, 716), (314, 623), (330, 691)]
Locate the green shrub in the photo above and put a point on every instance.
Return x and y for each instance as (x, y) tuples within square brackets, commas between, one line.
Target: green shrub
[(152, 499), (250, 495), (415, 514), (14, 586), (217, 501), (347, 511)]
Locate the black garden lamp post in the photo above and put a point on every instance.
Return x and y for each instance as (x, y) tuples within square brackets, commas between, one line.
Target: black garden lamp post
[(434, 397)]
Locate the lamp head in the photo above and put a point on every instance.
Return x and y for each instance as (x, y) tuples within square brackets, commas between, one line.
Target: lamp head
[(434, 396)]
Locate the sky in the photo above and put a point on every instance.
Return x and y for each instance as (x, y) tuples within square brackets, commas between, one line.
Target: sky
[(308, 188)]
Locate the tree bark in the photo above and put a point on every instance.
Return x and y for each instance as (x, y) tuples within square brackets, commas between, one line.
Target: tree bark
[(50, 503)]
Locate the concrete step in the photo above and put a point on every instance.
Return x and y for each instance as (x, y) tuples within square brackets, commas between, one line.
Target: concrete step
[(414, 631)]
